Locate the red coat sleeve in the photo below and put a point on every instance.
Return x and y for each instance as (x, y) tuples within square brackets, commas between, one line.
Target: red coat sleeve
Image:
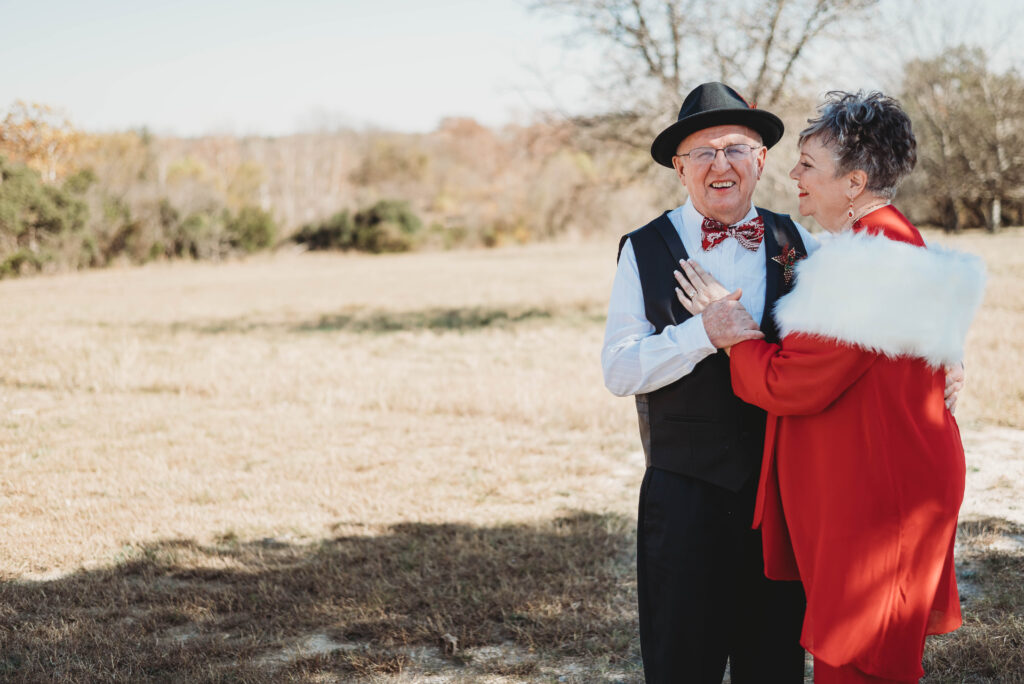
[(801, 376)]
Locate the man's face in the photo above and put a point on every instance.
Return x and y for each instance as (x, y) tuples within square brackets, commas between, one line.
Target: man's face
[(722, 188)]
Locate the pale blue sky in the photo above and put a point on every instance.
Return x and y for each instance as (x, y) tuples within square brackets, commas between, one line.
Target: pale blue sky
[(198, 66), (191, 67)]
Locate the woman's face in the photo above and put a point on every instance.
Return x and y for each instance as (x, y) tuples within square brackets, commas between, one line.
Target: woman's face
[(822, 195)]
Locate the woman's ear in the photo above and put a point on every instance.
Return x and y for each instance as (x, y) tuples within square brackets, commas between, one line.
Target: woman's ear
[(857, 183)]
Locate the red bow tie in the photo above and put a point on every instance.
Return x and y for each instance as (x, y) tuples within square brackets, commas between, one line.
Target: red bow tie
[(748, 234)]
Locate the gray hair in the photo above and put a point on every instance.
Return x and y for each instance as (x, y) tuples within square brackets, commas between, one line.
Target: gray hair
[(868, 132)]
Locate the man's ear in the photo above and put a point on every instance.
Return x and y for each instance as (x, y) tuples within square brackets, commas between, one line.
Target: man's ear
[(677, 164), (760, 159)]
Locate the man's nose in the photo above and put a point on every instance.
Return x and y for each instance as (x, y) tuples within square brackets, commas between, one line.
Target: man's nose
[(723, 164)]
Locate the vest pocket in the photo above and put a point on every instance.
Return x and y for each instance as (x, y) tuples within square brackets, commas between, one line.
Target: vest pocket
[(700, 447)]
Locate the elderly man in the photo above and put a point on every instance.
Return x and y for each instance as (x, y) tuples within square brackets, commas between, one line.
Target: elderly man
[(703, 597)]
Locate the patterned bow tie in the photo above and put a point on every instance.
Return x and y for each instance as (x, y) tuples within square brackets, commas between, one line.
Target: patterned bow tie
[(748, 234)]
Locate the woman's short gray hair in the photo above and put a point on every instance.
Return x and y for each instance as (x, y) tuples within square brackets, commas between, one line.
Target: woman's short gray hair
[(868, 132)]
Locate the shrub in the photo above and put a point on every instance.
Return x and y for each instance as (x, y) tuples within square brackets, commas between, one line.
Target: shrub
[(251, 229), (334, 233), (45, 226), (387, 226), (80, 182), (19, 261), (36, 221), (198, 236)]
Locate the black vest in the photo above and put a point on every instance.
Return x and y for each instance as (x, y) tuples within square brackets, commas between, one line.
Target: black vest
[(696, 426)]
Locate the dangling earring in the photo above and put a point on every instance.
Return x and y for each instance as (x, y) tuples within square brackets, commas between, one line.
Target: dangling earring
[(849, 212)]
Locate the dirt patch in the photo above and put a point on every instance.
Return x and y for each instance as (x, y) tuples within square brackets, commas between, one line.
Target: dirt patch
[(995, 474)]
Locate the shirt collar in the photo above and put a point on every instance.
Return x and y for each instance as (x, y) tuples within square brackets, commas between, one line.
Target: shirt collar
[(692, 217)]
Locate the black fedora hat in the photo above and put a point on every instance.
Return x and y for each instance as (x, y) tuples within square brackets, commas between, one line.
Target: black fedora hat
[(714, 104)]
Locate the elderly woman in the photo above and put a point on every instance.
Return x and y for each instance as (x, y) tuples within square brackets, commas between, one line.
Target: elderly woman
[(863, 471)]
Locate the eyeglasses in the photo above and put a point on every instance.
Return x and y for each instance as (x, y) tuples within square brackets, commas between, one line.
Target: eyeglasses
[(733, 153)]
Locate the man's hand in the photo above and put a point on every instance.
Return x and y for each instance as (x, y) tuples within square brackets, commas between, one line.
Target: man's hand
[(697, 288), (727, 322), (955, 377)]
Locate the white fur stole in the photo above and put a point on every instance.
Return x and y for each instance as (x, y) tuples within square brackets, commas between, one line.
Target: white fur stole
[(889, 297)]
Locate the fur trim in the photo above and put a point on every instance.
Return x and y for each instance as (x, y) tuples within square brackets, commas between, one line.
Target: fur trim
[(889, 297)]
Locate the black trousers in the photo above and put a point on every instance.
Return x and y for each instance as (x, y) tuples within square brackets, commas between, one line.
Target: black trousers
[(703, 596)]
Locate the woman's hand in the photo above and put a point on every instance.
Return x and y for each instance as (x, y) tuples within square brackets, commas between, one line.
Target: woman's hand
[(697, 288), (955, 377)]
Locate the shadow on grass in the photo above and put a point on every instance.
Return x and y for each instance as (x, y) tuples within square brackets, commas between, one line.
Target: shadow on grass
[(180, 611), (436, 319), (990, 645)]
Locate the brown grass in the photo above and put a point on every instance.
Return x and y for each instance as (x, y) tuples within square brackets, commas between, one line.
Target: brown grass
[(995, 353), (182, 611), (324, 468), (990, 645)]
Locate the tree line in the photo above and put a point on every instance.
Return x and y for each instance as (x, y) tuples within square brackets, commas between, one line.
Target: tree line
[(71, 199)]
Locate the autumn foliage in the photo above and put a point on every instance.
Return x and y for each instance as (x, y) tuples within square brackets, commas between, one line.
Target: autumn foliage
[(132, 196), (39, 137), (73, 200), (141, 197)]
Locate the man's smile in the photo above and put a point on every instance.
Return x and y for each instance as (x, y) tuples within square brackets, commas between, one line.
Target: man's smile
[(722, 185)]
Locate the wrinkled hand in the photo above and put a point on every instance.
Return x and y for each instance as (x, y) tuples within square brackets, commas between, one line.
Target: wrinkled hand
[(697, 288), (955, 378), (727, 322)]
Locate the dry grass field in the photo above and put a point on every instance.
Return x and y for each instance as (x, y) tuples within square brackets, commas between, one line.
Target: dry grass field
[(320, 468)]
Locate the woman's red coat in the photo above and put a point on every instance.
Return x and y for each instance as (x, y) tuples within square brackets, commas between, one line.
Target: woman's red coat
[(861, 483)]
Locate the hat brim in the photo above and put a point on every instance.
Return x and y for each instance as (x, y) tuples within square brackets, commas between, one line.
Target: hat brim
[(767, 125)]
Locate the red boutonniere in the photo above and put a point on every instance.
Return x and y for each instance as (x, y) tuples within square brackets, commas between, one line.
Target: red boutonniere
[(787, 260)]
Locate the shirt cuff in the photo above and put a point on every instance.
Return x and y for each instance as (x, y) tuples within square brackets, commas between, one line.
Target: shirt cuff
[(693, 336)]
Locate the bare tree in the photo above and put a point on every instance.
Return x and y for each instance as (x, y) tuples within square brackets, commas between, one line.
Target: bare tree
[(970, 129), (659, 49)]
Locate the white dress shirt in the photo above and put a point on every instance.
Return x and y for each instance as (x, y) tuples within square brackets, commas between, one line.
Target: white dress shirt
[(637, 361)]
